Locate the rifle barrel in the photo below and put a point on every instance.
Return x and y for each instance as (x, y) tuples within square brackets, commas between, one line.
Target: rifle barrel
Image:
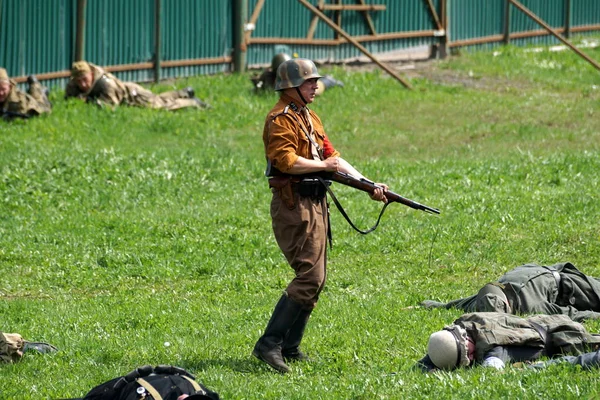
[(369, 187)]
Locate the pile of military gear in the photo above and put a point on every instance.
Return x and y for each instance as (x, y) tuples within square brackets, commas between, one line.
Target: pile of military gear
[(163, 382)]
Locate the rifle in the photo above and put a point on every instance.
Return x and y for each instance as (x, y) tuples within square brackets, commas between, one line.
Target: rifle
[(368, 186), (8, 115)]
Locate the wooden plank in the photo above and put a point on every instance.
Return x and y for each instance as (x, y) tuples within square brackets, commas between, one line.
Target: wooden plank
[(135, 67), (367, 16), (434, 15), (337, 42), (254, 18), (355, 43), (313, 23), (354, 7), (554, 33)]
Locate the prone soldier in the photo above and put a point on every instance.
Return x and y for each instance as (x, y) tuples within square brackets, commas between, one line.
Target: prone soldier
[(493, 339), (12, 347), (16, 103), (531, 288), (93, 84)]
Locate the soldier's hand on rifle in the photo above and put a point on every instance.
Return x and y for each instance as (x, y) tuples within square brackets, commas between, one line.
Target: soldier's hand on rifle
[(379, 192), (332, 164)]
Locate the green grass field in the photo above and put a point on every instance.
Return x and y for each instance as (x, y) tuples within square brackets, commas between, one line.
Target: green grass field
[(123, 230)]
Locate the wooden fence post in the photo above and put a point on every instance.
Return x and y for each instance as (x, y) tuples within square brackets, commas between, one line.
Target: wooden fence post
[(80, 31), (240, 15), (157, 45), (506, 38), (568, 10)]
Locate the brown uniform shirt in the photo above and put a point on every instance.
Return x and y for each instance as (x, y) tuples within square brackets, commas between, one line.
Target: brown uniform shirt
[(285, 137)]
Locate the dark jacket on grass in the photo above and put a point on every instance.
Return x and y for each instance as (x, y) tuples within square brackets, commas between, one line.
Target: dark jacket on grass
[(531, 288)]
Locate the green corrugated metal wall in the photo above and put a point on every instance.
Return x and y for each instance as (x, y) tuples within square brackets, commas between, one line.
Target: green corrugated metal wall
[(195, 29), (470, 19), (585, 12), (122, 32), (38, 36), (35, 36), (480, 18), (290, 19)]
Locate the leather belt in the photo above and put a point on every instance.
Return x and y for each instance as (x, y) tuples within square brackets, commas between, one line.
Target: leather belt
[(543, 335), (556, 278)]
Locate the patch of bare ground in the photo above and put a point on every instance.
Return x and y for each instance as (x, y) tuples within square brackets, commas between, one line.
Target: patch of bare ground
[(431, 71)]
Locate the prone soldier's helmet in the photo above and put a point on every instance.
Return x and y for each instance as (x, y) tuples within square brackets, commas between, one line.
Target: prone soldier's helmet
[(278, 59), (449, 348), (292, 73), (491, 298), (80, 68)]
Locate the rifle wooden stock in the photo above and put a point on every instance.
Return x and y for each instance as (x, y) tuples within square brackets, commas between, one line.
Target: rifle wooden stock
[(369, 187)]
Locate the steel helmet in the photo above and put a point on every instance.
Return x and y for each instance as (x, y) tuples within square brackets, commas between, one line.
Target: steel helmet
[(448, 348), (278, 59), (292, 73)]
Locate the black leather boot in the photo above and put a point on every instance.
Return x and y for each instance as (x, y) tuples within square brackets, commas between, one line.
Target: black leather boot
[(291, 345), (268, 347)]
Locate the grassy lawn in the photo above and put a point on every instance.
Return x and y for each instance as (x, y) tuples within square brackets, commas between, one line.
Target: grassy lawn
[(134, 237)]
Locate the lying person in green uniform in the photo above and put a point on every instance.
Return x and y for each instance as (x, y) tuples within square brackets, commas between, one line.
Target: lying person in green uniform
[(531, 288), (93, 84), (16, 103), (494, 339), (12, 347)]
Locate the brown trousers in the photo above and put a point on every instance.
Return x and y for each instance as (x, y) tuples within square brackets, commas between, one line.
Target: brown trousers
[(301, 234)]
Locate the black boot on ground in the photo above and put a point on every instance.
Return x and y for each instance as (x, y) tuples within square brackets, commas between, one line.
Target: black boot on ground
[(201, 103), (268, 348), (291, 345), (190, 92), (31, 79), (40, 347)]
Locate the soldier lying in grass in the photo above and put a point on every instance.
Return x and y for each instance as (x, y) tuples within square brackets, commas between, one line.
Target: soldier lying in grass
[(13, 346), (531, 288), (494, 339), (93, 84), (16, 103)]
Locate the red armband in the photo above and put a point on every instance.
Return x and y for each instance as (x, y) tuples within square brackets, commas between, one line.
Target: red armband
[(327, 147)]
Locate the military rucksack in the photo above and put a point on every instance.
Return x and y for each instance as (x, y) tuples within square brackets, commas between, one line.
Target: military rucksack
[(163, 382)]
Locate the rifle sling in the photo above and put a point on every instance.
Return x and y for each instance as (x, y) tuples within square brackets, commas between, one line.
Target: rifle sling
[(345, 215)]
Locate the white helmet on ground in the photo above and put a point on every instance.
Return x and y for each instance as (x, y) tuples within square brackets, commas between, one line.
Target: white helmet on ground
[(448, 348)]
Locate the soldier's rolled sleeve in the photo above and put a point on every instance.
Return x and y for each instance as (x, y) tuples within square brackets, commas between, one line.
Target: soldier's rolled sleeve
[(283, 143)]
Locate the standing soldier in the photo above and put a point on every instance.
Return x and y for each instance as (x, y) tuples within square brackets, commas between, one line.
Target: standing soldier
[(91, 83), (266, 80), (16, 103), (296, 144)]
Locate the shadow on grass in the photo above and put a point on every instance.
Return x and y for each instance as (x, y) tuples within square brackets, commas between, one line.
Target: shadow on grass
[(246, 365)]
